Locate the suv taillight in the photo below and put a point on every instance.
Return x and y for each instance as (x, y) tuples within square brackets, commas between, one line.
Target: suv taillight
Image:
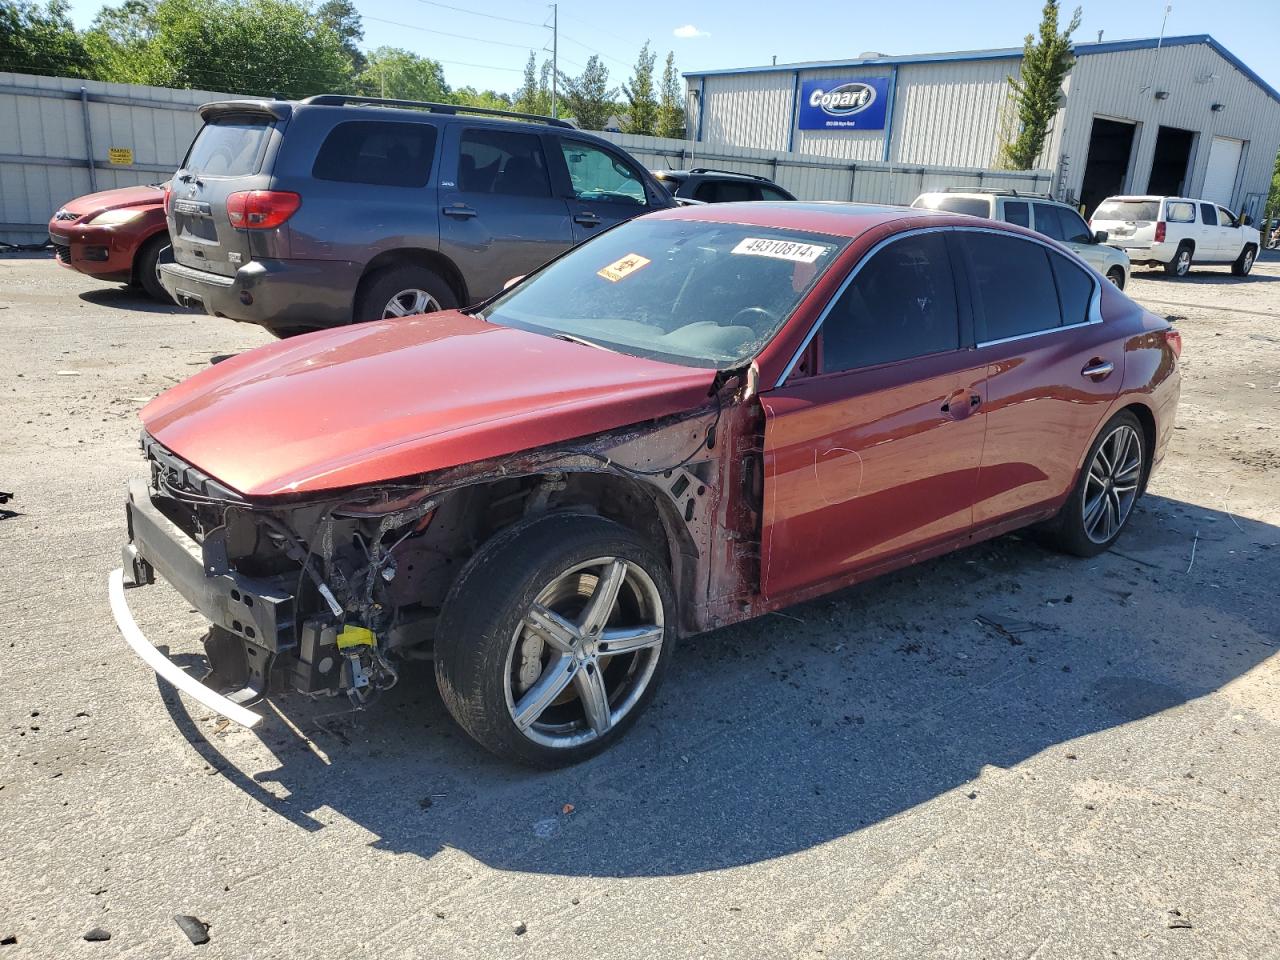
[(1174, 339), (1160, 225), (261, 209), (168, 199)]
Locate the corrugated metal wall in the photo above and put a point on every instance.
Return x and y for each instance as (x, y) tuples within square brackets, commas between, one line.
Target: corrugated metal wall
[(45, 153), (1122, 86)]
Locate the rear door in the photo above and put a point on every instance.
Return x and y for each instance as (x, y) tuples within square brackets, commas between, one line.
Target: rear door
[(1209, 242), (876, 455), (1068, 227), (500, 217), (603, 187), (231, 153), (1052, 369)]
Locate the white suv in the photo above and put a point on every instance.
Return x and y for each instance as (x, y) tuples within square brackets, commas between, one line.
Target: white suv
[(1042, 214), (1175, 231)]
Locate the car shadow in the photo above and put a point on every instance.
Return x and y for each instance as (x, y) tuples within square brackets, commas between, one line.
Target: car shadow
[(128, 298), (780, 734), (1202, 275)]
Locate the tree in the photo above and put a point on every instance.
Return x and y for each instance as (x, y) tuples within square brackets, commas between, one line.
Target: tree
[(488, 99), (342, 17), (670, 122), (642, 105), (401, 75), (1037, 93), (588, 98), (41, 40), (534, 95), (119, 40)]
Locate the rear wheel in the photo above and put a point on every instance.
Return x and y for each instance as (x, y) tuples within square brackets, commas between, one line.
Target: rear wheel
[(1180, 265), (1244, 262), (146, 266), (1116, 276), (555, 638), (1102, 501), (403, 291)]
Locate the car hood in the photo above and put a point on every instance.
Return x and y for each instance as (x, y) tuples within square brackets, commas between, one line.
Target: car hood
[(111, 199), (395, 398)]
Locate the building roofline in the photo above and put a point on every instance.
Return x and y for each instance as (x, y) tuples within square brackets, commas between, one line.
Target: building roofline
[(1005, 53)]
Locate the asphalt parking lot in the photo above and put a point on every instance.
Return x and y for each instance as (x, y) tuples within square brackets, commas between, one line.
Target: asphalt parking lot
[(1001, 753)]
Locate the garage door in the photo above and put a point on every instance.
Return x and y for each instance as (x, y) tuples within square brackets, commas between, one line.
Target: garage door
[(1220, 176)]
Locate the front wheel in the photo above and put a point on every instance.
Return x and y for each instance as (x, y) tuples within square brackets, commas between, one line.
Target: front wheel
[(1102, 501), (146, 268), (1116, 276), (554, 639), (1244, 262)]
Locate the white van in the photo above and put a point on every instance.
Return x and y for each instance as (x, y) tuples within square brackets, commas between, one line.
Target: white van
[(1174, 232)]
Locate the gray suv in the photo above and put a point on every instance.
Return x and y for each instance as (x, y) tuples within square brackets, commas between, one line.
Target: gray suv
[(336, 209)]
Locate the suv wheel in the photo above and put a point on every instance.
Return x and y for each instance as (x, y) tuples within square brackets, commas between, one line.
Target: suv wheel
[(554, 638), (1116, 276), (1244, 262), (401, 292), (1180, 265)]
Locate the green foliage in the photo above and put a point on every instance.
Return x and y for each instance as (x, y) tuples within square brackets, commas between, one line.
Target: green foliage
[(1272, 208), (1037, 93), (670, 121), (642, 104), (401, 75), (588, 98), (342, 17), (488, 99), (41, 40), (534, 95)]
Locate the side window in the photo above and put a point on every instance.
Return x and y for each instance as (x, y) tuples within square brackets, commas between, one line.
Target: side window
[(1226, 218), (901, 304), (1207, 216), (599, 175), (1017, 211), (501, 162), (1075, 289), (772, 193), (1048, 222), (1181, 212), (1014, 285), (1074, 227), (379, 153)]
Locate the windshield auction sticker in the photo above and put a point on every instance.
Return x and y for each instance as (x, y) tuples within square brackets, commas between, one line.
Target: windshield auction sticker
[(780, 249), (623, 268)]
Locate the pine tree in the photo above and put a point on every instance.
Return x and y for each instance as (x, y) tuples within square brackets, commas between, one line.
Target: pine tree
[(527, 98), (642, 105), (1035, 95), (671, 102), (588, 98)]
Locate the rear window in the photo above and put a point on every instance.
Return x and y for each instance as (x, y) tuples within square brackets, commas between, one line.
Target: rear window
[(378, 153), (1015, 286), (229, 148), (725, 191), (969, 206), (1128, 210)]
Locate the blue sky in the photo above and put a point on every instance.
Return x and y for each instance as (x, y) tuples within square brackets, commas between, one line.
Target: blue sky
[(489, 52)]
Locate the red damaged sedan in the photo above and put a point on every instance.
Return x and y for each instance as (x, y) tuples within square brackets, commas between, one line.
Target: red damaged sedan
[(115, 235), (695, 418)]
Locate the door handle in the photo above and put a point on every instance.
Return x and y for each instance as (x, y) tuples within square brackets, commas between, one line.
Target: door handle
[(458, 211), (1098, 369), (587, 219)]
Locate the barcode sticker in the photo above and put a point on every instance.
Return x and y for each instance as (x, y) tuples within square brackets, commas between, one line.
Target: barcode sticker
[(780, 249)]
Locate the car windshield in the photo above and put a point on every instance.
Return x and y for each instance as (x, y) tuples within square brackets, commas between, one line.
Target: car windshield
[(697, 293), (1128, 210)]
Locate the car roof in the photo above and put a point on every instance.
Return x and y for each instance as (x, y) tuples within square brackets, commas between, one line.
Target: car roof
[(711, 174), (993, 194), (835, 218)]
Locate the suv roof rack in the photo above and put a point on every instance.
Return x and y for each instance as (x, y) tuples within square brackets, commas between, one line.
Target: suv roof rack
[(1003, 192), (342, 99), (735, 173)]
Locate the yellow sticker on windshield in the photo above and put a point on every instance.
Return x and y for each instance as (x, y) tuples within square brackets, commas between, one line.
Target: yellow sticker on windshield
[(780, 249), (623, 267)]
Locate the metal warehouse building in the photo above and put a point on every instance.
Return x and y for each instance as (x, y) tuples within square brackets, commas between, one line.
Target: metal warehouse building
[(1179, 115)]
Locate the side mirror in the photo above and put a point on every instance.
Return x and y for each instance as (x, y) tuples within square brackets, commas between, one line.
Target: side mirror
[(1247, 220), (512, 282), (1100, 236)]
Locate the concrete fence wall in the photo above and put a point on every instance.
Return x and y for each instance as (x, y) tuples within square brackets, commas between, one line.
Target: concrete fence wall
[(61, 138)]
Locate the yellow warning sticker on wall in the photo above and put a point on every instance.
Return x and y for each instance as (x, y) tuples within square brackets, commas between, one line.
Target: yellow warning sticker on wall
[(123, 156), (623, 267)]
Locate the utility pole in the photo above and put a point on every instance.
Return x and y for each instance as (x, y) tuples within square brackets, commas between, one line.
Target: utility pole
[(555, 56)]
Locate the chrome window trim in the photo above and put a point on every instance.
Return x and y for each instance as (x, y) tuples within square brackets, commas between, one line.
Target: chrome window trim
[(1095, 302)]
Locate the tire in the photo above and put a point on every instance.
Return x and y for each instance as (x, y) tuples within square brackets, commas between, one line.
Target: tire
[(416, 289), (1180, 265), (1078, 528), (146, 267), (1116, 276), (492, 664), (1244, 262)]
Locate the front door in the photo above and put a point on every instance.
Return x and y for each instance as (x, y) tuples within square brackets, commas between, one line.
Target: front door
[(603, 188), (499, 217), (876, 455), (1053, 369)]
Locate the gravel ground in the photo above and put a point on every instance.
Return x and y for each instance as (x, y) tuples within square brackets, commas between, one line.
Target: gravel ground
[(874, 774)]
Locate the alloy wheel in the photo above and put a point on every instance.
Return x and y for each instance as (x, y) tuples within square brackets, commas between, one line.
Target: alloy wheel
[(584, 653), (1184, 262), (409, 302), (1111, 486), (1247, 264)]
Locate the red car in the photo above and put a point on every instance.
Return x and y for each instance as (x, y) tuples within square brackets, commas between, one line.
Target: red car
[(695, 418), (116, 235)]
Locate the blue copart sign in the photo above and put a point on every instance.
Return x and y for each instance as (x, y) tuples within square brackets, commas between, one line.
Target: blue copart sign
[(844, 104)]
